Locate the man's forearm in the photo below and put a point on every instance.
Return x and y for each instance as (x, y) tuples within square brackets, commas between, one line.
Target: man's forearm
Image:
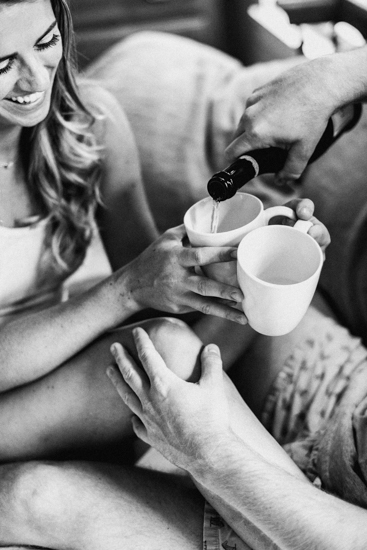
[(346, 75), (263, 502), (249, 533)]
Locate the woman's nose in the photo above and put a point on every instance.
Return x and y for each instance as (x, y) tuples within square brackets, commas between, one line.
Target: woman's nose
[(34, 75)]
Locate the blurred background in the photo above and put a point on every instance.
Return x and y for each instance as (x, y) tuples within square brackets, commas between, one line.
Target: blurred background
[(249, 31)]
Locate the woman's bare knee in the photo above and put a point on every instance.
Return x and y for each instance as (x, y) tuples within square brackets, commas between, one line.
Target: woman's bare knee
[(179, 347), (177, 344)]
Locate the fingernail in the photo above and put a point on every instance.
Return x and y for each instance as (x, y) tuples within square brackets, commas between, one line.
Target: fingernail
[(305, 212), (113, 350), (236, 296), (110, 371), (212, 348), (234, 253)]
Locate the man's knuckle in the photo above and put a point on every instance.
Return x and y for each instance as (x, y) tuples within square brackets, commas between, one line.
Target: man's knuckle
[(205, 308), (198, 256), (202, 287), (224, 294), (144, 355), (126, 373)]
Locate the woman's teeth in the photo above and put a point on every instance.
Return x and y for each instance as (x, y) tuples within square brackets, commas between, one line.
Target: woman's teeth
[(31, 98)]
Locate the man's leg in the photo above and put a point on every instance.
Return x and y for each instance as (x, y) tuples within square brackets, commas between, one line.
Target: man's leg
[(75, 412), (84, 506), (256, 371)]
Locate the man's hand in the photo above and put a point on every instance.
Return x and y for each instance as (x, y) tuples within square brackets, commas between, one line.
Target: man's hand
[(304, 209), (290, 112), (180, 419)]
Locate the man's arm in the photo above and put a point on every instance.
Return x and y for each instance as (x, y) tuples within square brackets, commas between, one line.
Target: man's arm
[(208, 430), (263, 503), (292, 110)]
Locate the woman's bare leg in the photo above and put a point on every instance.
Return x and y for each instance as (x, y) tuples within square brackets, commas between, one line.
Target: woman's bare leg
[(81, 506), (75, 411)]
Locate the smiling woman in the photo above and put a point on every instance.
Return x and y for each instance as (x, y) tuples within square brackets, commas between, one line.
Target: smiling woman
[(70, 177), (28, 73), (34, 74)]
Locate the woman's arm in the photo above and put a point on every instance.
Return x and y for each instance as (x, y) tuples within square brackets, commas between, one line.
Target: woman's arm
[(162, 276)]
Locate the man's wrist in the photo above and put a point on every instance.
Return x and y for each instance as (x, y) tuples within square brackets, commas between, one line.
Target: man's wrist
[(346, 82), (216, 458)]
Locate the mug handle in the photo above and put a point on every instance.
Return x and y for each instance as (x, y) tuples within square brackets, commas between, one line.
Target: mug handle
[(300, 225)]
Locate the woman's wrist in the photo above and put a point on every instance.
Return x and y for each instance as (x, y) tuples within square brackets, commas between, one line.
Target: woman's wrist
[(116, 296)]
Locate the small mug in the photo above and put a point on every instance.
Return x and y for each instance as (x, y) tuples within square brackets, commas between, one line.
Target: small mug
[(278, 268), (237, 217)]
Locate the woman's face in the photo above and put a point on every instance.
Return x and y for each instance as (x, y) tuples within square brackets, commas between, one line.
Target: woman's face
[(30, 51)]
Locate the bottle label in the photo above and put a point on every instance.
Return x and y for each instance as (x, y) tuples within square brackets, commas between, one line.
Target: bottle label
[(253, 162), (341, 118)]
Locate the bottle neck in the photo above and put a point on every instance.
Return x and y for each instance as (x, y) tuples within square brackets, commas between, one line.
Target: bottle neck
[(224, 185)]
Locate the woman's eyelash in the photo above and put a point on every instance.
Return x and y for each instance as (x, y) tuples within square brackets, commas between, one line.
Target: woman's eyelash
[(8, 66), (54, 40)]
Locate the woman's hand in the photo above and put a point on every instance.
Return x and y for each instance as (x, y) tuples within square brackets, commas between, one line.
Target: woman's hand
[(180, 419), (165, 277), (304, 209)]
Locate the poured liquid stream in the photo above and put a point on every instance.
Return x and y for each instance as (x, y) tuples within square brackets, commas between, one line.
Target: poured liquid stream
[(215, 217)]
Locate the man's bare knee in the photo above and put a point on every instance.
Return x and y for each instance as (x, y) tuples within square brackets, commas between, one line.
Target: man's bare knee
[(34, 497)]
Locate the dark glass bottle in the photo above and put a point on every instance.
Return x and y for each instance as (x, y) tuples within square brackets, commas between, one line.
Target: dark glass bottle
[(224, 184)]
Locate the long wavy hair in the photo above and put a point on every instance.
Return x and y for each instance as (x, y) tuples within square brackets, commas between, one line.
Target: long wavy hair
[(61, 159)]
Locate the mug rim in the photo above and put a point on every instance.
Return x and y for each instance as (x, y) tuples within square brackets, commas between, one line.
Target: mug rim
[(279, 228), (231, 231)]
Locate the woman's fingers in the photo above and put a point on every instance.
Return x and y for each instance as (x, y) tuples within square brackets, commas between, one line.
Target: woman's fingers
[(208, 287), (304, 209), (205, 255), (212, 306), (319, 232)]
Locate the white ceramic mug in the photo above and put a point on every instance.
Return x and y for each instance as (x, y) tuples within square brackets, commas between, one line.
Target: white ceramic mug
[(236, 218), (278, 268)]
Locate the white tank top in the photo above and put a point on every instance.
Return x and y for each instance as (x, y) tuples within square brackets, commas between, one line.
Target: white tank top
[(22, 286)]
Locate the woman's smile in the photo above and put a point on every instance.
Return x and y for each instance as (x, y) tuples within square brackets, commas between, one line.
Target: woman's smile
[(27, 99), (30, 52), (27, 102)]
